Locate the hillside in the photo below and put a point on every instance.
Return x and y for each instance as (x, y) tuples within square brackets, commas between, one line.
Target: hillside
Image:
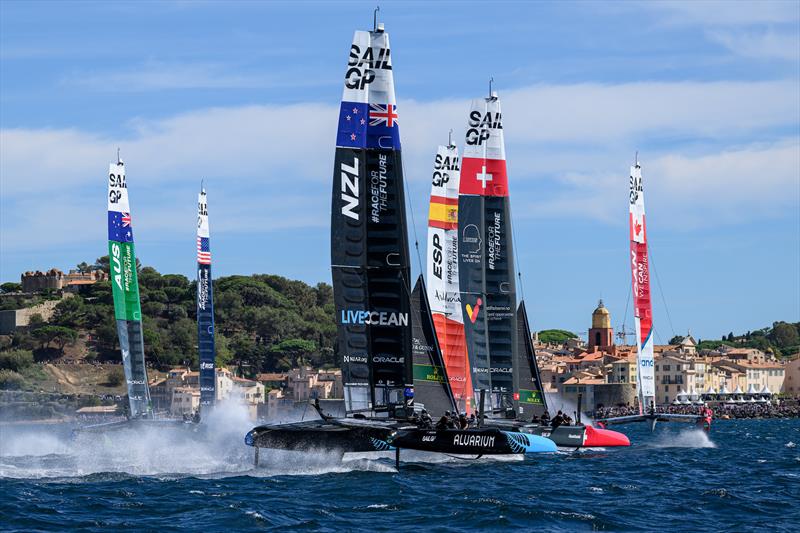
[(263, 323)]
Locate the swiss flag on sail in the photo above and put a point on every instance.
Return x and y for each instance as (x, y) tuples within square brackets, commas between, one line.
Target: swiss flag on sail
[(485, 177)]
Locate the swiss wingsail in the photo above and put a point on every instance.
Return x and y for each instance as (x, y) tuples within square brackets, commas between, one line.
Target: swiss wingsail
[(205, 306), (529, 398), (125, 289), (486, 264), (430, 376), (442, 266), (369, 243), (643, 309)]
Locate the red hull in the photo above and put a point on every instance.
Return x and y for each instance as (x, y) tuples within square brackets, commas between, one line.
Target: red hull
[(604, 438)]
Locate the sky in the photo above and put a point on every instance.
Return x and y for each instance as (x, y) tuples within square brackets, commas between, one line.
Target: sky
[(245, 96)]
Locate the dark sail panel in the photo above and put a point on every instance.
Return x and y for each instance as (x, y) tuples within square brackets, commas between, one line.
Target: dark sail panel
[(369, 243), (529, 397), (486, 264), (205, 306), (431, 385)]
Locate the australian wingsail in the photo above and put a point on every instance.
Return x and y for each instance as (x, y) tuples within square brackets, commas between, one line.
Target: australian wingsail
[(125, 291)]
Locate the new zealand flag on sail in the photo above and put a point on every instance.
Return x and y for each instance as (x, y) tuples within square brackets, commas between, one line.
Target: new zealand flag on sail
[(119, 227), (364, 125)]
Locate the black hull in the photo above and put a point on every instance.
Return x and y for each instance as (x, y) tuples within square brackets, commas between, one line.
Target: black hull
[(321, 435), (484, 441)]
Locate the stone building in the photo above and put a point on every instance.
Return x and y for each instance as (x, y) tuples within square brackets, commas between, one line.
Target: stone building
[(601, 334), (54, 279)]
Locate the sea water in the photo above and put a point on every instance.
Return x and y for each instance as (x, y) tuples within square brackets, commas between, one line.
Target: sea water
[(743, 476)]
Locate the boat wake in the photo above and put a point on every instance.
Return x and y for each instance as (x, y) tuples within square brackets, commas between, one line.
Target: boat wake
[(691, 438)]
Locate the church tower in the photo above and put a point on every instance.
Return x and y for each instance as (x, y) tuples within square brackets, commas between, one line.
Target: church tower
[(601, 336)]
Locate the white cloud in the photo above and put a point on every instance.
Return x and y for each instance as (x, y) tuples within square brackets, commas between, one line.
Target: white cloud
[(725, 12), (568, 147), (156, 76), (767, 44)]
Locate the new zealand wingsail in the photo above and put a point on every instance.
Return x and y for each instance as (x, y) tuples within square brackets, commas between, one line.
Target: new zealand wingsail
[(372, 290), (643, 317), (205, 307), (501, 363)]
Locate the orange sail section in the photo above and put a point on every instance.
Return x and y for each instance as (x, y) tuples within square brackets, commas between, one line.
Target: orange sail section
[(453, 344)]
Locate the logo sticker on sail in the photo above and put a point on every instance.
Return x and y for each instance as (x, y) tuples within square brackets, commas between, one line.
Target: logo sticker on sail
[(374, 318), (472, 312)]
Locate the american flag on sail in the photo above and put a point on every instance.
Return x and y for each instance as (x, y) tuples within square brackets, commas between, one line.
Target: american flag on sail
[(203, 251)]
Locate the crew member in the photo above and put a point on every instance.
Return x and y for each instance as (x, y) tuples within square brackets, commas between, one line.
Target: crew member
[(545, 419), (444, 421), (557, 420), (425, 420), (462, 421)]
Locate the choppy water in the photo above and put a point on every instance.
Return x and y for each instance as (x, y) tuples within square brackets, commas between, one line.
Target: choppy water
[(745, 477)]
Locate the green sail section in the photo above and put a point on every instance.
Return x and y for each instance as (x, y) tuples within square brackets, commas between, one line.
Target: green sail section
[(124, 282), (530, 396), (429, 373)]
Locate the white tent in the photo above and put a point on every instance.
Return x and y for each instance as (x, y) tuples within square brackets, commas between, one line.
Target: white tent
[(765, 391), (724, 390), (752, 389), (738, 390)]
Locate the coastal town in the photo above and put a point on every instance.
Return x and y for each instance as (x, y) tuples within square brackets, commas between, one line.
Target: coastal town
[(598, 370)]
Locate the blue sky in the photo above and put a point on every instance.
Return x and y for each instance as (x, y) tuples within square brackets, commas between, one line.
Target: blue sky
[(245, 95)]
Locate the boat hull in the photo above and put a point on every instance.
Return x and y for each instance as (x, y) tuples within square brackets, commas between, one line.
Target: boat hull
[(580, 436), (485, 441), (318, 435)]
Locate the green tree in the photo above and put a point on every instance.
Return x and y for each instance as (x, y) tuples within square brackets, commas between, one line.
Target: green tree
[(293, 352), (16, 360), (10, 287), (677, 339), (115, 377), (84, 267), (556, 336), (10, 380), (784, 335), (59, 334)]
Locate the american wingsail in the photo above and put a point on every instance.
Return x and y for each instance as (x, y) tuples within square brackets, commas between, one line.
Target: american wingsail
[(205, 307)]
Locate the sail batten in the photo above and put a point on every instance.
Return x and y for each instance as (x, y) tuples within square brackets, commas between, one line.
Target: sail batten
[(205, 306), (125, 291), (642, 305)]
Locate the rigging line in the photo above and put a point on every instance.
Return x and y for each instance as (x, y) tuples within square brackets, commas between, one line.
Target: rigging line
[(516, 251), (407, 184), (625, 316), (664, 300)]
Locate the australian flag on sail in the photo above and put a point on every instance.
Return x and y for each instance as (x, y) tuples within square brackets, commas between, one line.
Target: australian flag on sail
[(363, 125), (119, 227), (203, 251)]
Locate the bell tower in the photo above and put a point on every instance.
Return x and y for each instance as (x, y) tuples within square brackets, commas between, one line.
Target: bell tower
[(601, 335)]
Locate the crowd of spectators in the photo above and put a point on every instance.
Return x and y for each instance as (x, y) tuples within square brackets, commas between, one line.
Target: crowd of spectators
[(721, 410)]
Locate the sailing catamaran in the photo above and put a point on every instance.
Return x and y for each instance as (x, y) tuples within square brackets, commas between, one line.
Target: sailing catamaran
[(643, 317), (205, 307), (498, 342), (372, 292), (125, 289)]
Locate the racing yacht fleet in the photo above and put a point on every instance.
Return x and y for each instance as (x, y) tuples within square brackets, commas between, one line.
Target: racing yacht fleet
[(456, 345)]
